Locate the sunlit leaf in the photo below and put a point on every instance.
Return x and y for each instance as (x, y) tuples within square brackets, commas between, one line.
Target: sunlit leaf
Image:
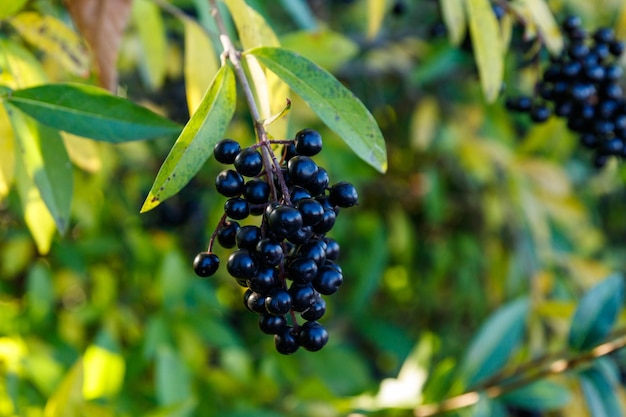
[(375, 15), (487, 43), (494, 343), (454, 17), (271, 93), (339, 108), (9, 8), (541, 396), (46, 163), (546, 25), (326, 48), (84, 153), (24, 69), (201, 63), (195, 144), (38, 219), (7, 155), (596, 313), (56, 39), (102, 24), (152, 36), (104, 372), (68, 397), (90, 112)]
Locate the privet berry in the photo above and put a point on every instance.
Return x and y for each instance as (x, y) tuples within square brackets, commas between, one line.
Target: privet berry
[(582, 85), (285, 261)]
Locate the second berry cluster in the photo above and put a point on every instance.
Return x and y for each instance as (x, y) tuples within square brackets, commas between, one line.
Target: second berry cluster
[(286, 262)]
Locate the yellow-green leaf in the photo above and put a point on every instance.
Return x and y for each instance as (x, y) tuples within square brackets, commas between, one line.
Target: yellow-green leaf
[(84, 153), (55, 38), (46, 163), (9, 8), (152, 37), (195, 144), (488, 53), (7, 154), (375, 15), (454, 18), (104, 372), (68, 398), (201, 63), (337, 106), (254, 31), (546, 25), (326, 48), (24, 69)]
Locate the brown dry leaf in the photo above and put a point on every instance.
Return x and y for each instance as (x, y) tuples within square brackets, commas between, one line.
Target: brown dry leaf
[(102, 24)]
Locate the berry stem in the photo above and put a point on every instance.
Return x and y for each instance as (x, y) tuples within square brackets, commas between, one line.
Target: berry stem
[(214, 234), (270, 163)]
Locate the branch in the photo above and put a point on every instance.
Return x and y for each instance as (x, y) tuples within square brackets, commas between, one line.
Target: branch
[(531, 372)]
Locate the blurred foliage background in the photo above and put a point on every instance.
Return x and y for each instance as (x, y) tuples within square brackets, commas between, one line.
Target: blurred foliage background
[(479, 208)]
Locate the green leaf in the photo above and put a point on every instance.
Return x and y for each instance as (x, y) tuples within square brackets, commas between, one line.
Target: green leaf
[(195, 144), (173, 379), (540, 396), (153, 38), (91, 112), (9, 8), (46, 163), (487, 44), (546, 25), (337, 106), (40, 292), (494, 343), (600, 394), (596, 313)]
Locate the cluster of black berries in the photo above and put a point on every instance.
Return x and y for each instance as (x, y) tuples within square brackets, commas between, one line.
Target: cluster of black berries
[(287, 263), (582, 85)]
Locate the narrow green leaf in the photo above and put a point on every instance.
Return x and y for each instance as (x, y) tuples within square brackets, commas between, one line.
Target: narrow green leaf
[(326, 48), (546, 25), (494, 343), (600, 394), (487, 44), (195, 144), (9, 8), (46, 163), (540, 396), (596, 313), (152, 35), (91, 112), (337, 106)]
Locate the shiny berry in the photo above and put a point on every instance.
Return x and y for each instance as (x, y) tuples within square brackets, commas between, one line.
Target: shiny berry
[(264, 280), (311, 210), (256, 191), (284, 221), (302, 169), (226, 150), (229, 183), (285, 341), (318, 184), (302, 270), (327, 280), (540, 113), (302, 296), (278, 302), (241, 264), (332, 249), (236, 208), (249, 162), (313, 336), (247, 237), (314, 249), (269, 252), (270, 324), (343, 194), (226, 234), (308, 142), (316, 311), (254, 301), (206, 264)]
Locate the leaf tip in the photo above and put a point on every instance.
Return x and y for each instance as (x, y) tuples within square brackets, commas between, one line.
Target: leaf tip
[(151, 202)]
